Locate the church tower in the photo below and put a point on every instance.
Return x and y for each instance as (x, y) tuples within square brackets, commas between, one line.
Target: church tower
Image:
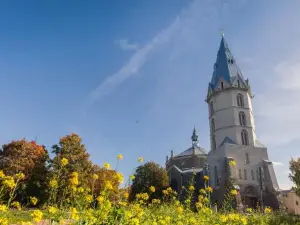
[(233, 136)]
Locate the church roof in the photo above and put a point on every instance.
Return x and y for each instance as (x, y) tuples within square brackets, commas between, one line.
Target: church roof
[(226, 68), (190, 151)]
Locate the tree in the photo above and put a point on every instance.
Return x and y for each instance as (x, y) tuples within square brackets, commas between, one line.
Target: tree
[(147, 175), (71, 160), (103, 176), (295, 174), (71, 148), (30, 159)]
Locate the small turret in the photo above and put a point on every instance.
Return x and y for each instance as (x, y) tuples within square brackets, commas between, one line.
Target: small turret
[(194, 138)]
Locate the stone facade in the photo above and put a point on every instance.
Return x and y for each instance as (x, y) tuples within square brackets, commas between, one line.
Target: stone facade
[(233, 137), (187, 167)]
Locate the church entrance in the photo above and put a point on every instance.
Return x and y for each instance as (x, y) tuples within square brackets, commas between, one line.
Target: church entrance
[(250, 197), (251, 202)]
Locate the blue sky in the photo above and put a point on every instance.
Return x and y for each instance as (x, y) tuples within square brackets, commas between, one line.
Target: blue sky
[(98, 67)]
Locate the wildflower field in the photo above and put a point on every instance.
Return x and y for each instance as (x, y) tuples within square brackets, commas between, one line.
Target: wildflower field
[(68, 195)]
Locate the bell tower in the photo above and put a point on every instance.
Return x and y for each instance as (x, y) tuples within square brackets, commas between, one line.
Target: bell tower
[(233, 136)]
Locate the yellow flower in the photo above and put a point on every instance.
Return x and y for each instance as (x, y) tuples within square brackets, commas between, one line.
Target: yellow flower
[(179, 209), (64, 161), (9, 182), (152, 189), (95, 176), (233, 192), (3, 221), (3, 208), (89, 198), (249, 210), (33, 200), (119, 156), (202, 191), (2, 174), (268, 210), (232, 163), (140, 159), (100, 199), (131, 177), (209, 189), (16, 205), (52, 210), (120, 177), (191, 188), (74, 213), (20, 176), (206, 177), (155, 201), (36, 215), (125, 194), (123, 204), (53, 183), (108, 185), (107, 166), (80, 189), (74, 179), (165, 192)]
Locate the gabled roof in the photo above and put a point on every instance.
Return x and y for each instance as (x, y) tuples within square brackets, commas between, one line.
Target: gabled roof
[(227, 140), (190, 151), (225, 68)]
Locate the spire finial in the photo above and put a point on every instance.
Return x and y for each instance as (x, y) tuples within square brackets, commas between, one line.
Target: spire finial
[(194, 137), (222, 32)]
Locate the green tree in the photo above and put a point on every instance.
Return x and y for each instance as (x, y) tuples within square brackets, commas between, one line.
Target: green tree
[(295, 174), (29, 158), (149, 174)]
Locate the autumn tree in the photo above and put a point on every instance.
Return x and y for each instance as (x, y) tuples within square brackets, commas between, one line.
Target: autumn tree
[(71, 149), (295, 174), (30, 159), (149, 174), (103, 176)]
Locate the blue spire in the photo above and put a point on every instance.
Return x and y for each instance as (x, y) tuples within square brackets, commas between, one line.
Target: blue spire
[(225, 68)]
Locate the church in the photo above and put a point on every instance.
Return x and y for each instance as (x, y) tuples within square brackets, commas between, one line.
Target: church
[(232, 138)]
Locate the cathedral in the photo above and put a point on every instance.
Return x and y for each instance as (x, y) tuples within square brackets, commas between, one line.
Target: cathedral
[(232, 138)]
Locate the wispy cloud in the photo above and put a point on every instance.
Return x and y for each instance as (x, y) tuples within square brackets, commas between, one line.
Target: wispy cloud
[(277, 163), (197, 8), (126, 46)]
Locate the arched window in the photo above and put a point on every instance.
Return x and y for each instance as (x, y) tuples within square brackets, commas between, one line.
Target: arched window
[(212, 126), (216, 176), (240, 100), (244, 137), (252, 175), (213, 143), (245, 174), (211, 108), (222, 85), (242, 117), (247, 158), (240, 174)]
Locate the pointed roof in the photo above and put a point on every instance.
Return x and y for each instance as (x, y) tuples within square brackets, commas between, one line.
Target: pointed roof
[(226, 68), (194, 136)]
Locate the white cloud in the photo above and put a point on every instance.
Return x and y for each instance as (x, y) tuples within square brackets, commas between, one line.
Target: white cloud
[(126, 46), (200, 11), (277, 163)]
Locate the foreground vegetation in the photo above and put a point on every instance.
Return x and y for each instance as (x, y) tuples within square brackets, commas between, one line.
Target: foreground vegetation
[(69, 189)]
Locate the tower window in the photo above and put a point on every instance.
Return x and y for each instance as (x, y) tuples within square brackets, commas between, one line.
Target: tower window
[(247, 158), (242, 118), (211, 108), (213, 143), (238, 83), (212, 126), (222, 85), (240, 100), (216, 176), (240, 173), (245, 174), (244, 137), (252, 175)]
